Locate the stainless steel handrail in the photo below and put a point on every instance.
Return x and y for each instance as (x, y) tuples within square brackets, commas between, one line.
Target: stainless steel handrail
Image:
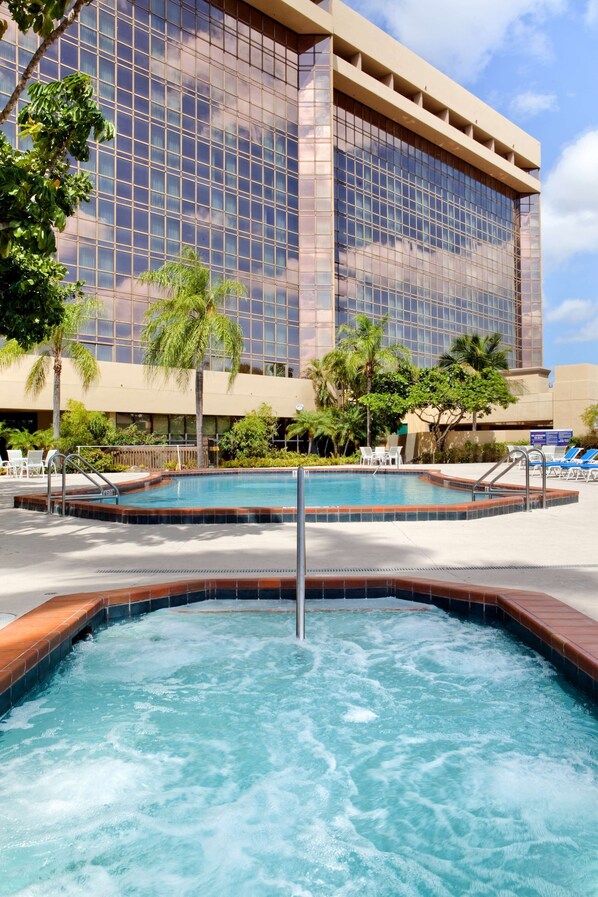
[(514, 456), (300, 585), (75, 460)]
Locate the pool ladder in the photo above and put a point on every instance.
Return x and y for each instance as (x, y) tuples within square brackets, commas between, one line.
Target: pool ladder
[(81, 465), (515, 456)]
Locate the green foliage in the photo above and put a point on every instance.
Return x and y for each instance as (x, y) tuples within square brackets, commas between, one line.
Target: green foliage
[(284, 458), (32, 295), (38, 194), (476, 353), (102, 461), (134, 435), (82, 427), (181, 330), (590, 417), (39, 16), (251, 436)]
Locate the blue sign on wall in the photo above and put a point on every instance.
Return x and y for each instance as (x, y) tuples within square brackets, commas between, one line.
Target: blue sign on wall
[(550, 437)]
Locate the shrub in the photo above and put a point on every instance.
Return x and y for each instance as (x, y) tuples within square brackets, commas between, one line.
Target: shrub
[(78, 426), (283, 458), (251, 437), (102, 461)]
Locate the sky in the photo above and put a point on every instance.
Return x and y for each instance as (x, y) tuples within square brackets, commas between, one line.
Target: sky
[(536, 62)]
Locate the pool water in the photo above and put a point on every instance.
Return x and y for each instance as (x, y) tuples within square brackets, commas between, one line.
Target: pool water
[(390, 755), (280, 490)]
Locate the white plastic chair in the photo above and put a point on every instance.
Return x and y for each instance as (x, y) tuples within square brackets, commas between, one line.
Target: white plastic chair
[(48, 461), (15, 464), (380, 455), (33, 464), (394, 455), (367, 455)]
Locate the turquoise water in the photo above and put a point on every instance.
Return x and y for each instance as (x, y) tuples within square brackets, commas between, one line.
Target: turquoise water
[(280, 490), (391, 755)]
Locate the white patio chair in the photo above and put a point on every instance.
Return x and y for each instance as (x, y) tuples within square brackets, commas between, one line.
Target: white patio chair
[(367, 455), (394, 455), (48, 461), (380, 454), (15, 464), (33, 464)]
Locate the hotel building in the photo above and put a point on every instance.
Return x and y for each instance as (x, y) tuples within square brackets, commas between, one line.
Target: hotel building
[(304, 152)]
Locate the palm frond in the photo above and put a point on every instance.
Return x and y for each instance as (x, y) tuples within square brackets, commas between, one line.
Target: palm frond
[(38, 375), (9, 353), (85, 364)]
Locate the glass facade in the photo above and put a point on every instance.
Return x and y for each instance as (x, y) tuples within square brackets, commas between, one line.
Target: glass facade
[(230, 140), (422, 237)]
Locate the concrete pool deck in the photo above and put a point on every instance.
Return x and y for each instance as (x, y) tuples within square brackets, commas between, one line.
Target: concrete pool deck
[(553, 550)]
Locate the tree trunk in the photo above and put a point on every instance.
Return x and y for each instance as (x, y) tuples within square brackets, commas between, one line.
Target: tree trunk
[(56, 398), (199, 413), (38, 55), (474, 421), (368, 419)]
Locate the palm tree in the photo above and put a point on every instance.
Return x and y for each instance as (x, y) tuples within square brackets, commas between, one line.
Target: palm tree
[(62, 343), (310, 424), (319, 373), (181, 329), (367, 355), (476, 354)]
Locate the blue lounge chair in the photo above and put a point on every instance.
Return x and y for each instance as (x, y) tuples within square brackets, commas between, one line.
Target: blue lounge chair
[(572, 469), (554, 467)]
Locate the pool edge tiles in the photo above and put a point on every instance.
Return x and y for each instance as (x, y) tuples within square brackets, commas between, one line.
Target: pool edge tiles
[(32, 645), (467, 510)]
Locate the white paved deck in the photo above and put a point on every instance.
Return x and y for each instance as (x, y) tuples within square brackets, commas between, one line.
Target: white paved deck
[(555, 551)]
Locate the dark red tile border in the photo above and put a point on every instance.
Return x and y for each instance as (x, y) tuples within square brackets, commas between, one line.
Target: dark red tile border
[(33, 644), (506, 504)]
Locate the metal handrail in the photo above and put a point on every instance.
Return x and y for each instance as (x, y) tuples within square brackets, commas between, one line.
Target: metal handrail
[(515, 456), (300, 585), (75, 460)]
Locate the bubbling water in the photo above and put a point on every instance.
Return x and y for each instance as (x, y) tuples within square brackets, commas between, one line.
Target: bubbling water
[(390, 755)]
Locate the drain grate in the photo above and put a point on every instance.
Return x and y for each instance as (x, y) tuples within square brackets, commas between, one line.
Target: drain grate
[(210, 571)]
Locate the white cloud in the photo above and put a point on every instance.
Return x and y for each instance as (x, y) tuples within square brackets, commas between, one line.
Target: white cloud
[(577, 320), (570, 202), (461, 36), (572, 311), (591, 16), (528, 103)]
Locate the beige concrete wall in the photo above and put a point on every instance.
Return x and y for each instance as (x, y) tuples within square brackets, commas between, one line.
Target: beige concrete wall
[(575, 388), (123, 387)]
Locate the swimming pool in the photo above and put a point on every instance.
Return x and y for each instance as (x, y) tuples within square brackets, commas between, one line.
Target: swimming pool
[(325, 489), (391, 755), (251, 496)]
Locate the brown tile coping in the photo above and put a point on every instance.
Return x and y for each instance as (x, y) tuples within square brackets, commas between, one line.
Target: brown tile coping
[(33, 644), (460, 511)]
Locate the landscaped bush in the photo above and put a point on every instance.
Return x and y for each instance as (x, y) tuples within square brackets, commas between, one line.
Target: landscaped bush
[(102, 461), (250, 437), (468, 453), (283, 458)]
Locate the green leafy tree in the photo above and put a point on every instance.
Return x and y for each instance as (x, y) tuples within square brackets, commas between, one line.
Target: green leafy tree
[(441, 397), (311, 424), (38, 191), (367, 356), (590, 417), (62, 343), (49, 19), (318, 371), (181, 329), (79, 426), (389, 400), (476, 354), (251, 436)]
